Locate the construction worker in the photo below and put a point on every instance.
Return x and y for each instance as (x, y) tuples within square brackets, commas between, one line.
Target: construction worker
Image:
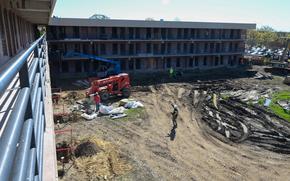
[(171, 72), (97, 101), (174, 115)]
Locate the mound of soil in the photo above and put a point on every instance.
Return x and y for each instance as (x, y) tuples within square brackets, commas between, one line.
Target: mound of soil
[(86, 149), (106, 164)]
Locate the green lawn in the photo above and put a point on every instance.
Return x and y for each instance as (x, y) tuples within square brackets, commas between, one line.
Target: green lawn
[(274, 106)]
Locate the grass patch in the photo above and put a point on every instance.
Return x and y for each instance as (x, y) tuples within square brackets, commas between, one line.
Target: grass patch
[(225, 96), (134, 113), (278, 110), (261, 101)]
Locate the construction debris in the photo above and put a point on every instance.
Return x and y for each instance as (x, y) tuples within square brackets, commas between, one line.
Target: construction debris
[(284, 104), (263, 76), (108, 110), (241, 122), (89, 116), (287, 80), (267, 102), (118, 116), (133, 105), (63, 151)]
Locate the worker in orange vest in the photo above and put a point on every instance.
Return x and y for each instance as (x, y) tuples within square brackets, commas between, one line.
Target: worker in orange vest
[(97, 101)]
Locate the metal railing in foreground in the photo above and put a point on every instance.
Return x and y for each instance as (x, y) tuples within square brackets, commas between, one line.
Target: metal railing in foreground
[(22, 122)]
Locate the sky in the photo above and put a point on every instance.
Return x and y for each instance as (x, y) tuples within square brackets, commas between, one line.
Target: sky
[(275, 13)]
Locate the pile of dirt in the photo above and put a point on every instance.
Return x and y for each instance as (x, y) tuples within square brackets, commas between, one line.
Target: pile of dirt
[(86, 149), (69, 97), (106, 163)]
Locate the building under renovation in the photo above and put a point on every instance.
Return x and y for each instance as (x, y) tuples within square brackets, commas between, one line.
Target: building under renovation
[(142, 46)]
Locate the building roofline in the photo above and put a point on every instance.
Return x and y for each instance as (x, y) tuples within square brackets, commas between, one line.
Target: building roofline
[(145, 24)]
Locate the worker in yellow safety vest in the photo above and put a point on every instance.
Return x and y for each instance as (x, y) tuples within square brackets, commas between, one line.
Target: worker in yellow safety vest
[(171, 72)]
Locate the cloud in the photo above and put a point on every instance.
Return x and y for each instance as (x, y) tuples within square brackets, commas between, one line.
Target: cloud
[(165, 2)]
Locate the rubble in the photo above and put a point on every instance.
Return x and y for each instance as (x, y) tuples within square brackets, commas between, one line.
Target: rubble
[(263, 76), (241, 122), (284, 104)]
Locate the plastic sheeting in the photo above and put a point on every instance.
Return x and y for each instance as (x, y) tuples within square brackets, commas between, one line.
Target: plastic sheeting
[(267, 102), (89, 116), (133, 105), (107, 110)]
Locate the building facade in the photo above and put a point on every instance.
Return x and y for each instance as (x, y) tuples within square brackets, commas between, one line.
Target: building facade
[(18, 24), (142, 46)]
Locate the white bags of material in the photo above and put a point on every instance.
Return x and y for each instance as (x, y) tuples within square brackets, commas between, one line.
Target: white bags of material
[(133, 104), (107, 110), (89, 116)]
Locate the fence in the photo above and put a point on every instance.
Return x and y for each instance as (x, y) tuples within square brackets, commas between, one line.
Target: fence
[(22, 122)]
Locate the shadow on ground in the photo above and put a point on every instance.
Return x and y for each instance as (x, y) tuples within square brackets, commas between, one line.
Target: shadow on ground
[(172, 133)]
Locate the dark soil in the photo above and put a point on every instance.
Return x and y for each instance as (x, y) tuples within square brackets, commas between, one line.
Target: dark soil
[(86, 149)]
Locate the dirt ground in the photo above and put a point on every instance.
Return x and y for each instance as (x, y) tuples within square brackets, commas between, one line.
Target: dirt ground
[(157, 151)]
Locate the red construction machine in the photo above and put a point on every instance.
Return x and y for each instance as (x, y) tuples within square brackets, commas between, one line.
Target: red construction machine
[(113, 85)]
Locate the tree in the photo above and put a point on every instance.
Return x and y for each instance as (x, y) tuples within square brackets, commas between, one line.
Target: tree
[(266, 29), (252, 38), (264, 36)]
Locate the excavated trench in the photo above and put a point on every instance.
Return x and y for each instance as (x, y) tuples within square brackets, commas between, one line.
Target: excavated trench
[(232, 120)]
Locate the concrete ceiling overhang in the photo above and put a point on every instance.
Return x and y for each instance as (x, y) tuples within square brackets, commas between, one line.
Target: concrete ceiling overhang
[(34, 11)]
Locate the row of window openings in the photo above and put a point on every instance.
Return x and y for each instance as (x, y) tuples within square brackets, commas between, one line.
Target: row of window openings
[(163, 49), (78, 68), (156, 34), (191, 63)]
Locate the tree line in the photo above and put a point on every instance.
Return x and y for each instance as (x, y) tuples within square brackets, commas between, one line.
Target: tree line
[(266, 36)]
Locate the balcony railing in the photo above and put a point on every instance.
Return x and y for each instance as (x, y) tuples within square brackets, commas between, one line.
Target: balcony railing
[(22, 122), (141, 38)]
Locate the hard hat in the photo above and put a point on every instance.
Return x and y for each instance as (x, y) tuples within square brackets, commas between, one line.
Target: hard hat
[(174, 106)]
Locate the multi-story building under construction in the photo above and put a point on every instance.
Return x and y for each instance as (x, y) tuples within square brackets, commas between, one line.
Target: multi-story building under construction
[(142, 46)]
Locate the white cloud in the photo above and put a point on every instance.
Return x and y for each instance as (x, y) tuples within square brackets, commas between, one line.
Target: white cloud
[(165, 2)]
